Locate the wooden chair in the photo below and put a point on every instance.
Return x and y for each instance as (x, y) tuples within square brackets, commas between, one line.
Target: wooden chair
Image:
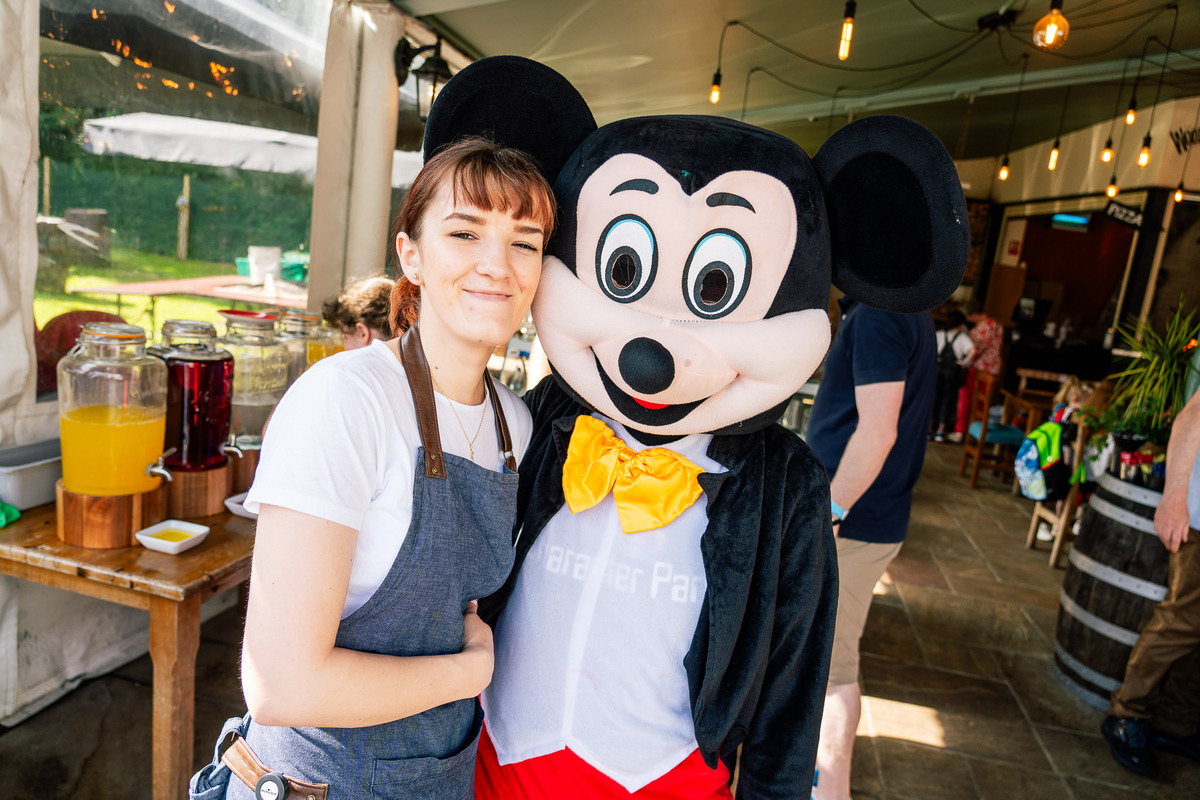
[(1063, 520), (988, 445)]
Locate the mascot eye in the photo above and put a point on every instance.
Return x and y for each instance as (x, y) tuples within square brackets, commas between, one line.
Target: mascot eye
[(626, 259), (717, 274)]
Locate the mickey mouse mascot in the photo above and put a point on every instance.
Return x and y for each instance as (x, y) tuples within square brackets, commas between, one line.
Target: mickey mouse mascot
[(670, 616)]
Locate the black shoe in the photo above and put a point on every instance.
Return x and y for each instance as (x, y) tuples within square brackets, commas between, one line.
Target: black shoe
[(1181, 745), (1127, 739)]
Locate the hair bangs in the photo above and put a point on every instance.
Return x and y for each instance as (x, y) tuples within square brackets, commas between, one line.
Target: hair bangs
[(515, 188)]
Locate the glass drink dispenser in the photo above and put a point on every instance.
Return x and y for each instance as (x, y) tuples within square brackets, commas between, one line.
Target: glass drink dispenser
[(112, 406), (298, 332), (199, 393), (260, 373)]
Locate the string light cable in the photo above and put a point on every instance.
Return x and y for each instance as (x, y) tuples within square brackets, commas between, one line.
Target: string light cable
[(1144, 153), (1106, 155), (1003, 174)]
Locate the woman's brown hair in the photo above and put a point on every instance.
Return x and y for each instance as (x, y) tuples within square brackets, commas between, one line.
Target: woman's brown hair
[(487, 175), (368, 301)]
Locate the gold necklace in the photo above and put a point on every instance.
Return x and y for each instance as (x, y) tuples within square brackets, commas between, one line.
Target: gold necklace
[(470, 439)]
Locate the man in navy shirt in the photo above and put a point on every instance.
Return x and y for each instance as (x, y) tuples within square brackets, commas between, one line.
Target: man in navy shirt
[(868, 425)]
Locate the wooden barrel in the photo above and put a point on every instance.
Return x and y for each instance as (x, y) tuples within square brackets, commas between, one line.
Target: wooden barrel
[(1116, 576)]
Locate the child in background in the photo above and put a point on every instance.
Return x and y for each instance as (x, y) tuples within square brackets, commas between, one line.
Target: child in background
[(953, 344), (361, 311)]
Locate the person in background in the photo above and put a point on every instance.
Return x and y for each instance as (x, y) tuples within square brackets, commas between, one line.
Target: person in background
[(1157, 707), (361, 312), (987, 337), (953, 344), (868, 426)]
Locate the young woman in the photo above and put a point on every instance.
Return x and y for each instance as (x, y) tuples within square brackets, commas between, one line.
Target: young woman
[(386, 496), (361, 312)]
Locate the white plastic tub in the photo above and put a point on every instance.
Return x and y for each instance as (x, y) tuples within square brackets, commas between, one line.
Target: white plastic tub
[(28, 473)]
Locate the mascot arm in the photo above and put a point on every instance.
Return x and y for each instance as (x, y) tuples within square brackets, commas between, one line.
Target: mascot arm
[(780, 750)]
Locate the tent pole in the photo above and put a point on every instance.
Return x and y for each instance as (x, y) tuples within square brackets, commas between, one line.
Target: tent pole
[(45, 186)]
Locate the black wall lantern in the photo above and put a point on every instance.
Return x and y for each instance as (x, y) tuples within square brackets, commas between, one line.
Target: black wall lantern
[(431, 75)]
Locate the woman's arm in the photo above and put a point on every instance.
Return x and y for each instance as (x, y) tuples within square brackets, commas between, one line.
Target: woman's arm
[(292, 674)]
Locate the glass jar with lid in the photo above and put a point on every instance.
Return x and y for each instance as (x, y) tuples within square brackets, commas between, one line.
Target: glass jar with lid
[(260, 372), (328, 343), (112, 408), (298, 331), (199, 393)]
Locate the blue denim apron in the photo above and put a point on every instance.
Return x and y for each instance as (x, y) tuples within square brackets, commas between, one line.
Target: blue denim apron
[(458, 548)]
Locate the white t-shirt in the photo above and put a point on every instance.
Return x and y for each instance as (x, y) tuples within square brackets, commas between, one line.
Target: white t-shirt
[(342, 446), (960, 343), (595, 609)]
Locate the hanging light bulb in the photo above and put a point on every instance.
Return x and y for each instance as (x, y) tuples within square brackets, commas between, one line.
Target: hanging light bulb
[(1051, 31), (1003, 174), (1111, 190), (715, 93), (1179, 193), (1106, 155), (847, 31), (1131, 112), (1144, 154), (1053, 157)]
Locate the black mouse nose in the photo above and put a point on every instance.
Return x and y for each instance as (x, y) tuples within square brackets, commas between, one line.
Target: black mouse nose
[(646, 366)]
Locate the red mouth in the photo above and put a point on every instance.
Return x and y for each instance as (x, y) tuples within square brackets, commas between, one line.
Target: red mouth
[(649, 405)]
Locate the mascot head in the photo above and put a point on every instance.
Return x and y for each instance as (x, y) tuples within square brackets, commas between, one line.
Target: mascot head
[(687, 287)]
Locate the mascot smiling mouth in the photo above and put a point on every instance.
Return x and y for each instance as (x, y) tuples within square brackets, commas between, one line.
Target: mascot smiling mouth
[(642, 411)]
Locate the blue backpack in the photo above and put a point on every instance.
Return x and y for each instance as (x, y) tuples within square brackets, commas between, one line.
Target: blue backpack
[(1042, 468)]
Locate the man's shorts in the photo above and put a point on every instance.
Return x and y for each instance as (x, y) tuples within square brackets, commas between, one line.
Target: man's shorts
[(860, 566)]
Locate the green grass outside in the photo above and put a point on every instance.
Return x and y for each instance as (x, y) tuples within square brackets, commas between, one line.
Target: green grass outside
[(129, 266)]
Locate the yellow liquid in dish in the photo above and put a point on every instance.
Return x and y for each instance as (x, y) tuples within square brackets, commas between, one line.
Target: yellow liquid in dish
[(106, 449), (171, 535)]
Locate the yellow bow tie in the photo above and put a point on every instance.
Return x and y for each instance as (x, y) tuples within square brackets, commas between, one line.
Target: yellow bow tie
[(651, 488)]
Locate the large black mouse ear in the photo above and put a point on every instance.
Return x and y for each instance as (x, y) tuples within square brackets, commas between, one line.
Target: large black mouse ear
[(516, 102), (897, 218)]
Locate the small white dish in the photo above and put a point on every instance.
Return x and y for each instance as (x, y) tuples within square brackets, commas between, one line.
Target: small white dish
[(234, 504), (172, 536)]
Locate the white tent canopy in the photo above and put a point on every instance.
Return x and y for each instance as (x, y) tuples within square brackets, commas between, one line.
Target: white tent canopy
[(159, 137)]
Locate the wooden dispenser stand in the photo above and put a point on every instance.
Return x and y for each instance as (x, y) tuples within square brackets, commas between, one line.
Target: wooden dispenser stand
[(200, 493), (243, 469), (96, 522)]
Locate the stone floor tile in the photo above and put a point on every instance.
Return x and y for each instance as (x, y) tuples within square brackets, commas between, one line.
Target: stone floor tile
[(888, 633), (1015, 564), (1084, 789), (998, 781), (1086, 756), (957, 657), (87, 746), (865, 780), (938, 541), (1044, 620), (967, 566), (959, 713), (916, 771), (1043, 694), (916, 568), (991, 589), (970, 620), (1179, 779)]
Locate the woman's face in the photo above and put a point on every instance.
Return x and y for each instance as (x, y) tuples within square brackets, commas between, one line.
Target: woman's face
[(477, 270)]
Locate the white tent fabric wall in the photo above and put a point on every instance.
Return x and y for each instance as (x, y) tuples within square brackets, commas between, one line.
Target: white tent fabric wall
[(159, 137)]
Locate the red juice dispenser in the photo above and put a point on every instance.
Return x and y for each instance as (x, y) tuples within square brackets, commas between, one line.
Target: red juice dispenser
[(199, 397)]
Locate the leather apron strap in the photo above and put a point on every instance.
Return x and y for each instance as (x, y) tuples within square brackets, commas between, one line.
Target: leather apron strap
[(416, 368)]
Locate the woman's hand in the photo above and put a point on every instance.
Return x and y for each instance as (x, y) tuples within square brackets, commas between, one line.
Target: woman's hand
[(479, 657)]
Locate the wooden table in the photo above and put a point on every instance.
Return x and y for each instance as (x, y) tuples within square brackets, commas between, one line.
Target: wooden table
[(170, 587)]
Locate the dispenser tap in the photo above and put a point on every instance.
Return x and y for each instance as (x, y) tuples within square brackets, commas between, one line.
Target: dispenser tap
[(158, 469), (231, 447)]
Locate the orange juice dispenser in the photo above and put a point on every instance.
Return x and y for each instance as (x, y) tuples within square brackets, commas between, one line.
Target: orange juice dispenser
[(199, 392), (260, 377), (112, 402)]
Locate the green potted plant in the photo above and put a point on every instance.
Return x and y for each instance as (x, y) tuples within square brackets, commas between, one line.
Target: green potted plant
[(1151, 389)]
